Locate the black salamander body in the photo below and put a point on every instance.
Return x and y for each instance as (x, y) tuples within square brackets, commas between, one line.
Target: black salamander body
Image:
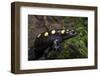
[(50, 39)]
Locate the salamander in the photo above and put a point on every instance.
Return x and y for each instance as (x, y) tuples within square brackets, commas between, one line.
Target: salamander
[(49, 39)]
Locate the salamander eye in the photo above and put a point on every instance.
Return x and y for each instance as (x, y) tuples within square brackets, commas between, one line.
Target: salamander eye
[(53, 32), (39, 35), (62, 31), (46, 34)]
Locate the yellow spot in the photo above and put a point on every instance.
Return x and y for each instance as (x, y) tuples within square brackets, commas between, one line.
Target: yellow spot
[(62, 31), (67, 30), (39, 35), (53, 32), (72, 30), (46, 34)]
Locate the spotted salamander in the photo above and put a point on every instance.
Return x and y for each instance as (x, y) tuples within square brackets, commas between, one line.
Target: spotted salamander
[(49, 39)]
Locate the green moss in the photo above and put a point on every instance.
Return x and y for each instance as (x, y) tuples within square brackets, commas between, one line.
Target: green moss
[(75, 47)]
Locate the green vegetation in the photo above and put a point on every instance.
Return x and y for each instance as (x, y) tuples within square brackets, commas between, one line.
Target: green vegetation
[(75, 47)]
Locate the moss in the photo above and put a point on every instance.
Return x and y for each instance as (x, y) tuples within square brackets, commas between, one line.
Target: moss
[(75, 47)]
